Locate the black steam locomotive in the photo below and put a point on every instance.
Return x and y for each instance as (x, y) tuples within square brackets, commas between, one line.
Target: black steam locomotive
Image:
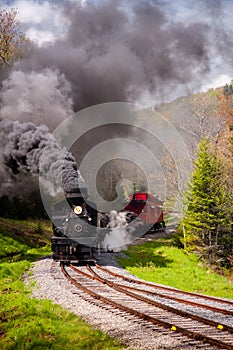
[(78, 229), (74, 229)]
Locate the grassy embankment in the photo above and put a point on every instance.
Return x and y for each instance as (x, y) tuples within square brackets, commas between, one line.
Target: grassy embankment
[(31, 324), (160, 262), (27, 323)]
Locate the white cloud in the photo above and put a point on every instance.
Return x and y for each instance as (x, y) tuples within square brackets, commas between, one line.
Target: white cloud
[(82, 2), (40, 37), (221, 80), (43, 21), (34, 12)]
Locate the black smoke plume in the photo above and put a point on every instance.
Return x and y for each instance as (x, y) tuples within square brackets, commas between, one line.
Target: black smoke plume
[(29, 148), (117, 51)]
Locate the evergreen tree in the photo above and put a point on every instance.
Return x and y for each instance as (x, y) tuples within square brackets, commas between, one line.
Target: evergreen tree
[(206, 223)]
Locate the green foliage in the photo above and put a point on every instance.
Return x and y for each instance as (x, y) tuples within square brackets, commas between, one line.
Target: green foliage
[(162, 263), (10, 248), (19, 240), (39, 228), (22, 208), (206, 225), (228, 89), (28, 323)]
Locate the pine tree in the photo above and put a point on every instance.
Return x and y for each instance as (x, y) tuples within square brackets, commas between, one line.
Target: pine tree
[(206, 222)]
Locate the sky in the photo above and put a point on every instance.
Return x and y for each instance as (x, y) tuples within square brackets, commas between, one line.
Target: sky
[(44, 23)]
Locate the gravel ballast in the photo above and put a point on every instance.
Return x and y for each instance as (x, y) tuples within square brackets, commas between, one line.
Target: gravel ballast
[(135, 334)]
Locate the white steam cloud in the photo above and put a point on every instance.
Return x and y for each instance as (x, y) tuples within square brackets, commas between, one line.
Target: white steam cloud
[(118, 231)]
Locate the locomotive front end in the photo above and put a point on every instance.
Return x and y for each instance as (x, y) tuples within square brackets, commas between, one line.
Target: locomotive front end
[(74, 230)]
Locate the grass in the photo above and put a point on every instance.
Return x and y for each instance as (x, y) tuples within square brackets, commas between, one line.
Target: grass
[(27, 323), (162, 263)]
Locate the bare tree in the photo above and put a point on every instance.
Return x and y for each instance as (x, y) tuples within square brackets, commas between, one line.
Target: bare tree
[(201, 120), (13, 42)]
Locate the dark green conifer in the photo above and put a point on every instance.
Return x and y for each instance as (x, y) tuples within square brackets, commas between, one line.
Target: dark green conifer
[(206, 222)]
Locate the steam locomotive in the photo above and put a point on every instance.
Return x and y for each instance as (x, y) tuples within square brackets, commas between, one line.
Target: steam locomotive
[(76, 224)]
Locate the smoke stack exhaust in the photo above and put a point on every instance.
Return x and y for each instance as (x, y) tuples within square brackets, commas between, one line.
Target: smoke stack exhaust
[(30, 148)]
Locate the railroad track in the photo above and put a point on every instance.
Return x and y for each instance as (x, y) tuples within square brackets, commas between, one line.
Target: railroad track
[(192, 299), (140, 303)]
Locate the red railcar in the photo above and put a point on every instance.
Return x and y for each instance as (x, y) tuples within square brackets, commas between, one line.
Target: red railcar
[(148, 208)]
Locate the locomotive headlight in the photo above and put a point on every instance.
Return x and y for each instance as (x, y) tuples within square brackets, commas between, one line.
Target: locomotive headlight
[(78, 210)]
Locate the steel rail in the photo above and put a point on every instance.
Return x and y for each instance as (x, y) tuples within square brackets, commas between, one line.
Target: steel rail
[(153, 320), (122, 288), (170, 289), (183, 301)]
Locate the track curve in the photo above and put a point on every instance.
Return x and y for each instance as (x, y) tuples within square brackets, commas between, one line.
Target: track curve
[(130, 301)]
